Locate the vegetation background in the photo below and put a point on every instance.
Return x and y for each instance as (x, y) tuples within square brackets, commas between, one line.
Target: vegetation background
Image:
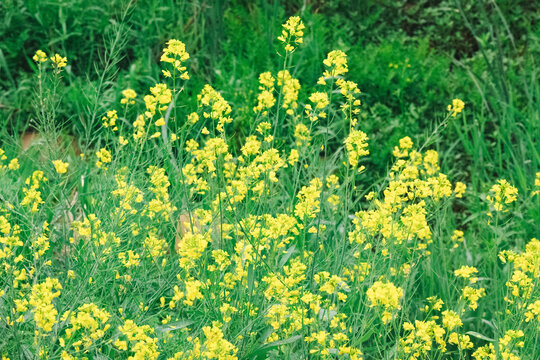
[(408, 57)]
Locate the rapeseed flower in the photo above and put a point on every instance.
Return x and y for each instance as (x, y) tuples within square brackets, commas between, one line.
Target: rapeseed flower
[(292, 33), (58, 61), (501, 194), (456, 107), (175, 54), (60, 166), (336, 63), (40, 56), (356, 145), (109, 121), (387, 296), (104, 157), (129, 96), (41, 300)]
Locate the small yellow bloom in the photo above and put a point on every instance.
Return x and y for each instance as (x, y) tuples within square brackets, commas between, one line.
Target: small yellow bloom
[(502, 193), (292, 33), (59, 61), (459, 189), (160, 122), (40, 56), (60, 166), (13, 164), (129, 96), (456, 107), (104, 156)]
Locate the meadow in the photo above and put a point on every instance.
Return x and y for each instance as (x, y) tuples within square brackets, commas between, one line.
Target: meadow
[(269, 180)]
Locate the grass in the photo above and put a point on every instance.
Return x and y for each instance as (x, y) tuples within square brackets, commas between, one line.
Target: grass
[(327, 224)]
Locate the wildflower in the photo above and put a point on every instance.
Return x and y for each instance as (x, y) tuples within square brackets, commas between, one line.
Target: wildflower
[(451, 320), (32, 196), (60, 166), (58, 61), (292, 33), (128, 194), (336, 62), (533, 311), (41, 244), (301, 134), (320, 101), (456, 107), (40, 56), (219, 108), (486, 352), (128, 96), (502, 193), (104, 157), (387, 296), (138, 127), (405, 144), (265, 98), (41, 299), (509, 342), (89, 323), (459, 189), (161, 93), (308, 206), (154, 245), (457, 237), (193, 118), (356, 145), (14, 164), (130, 259), (461, 340), (472, 295), (420, 339), (466, 272), (137, 340), (123, 141), (160, 205), (175, 53), (290, 87), (191, 248), (193, 292)]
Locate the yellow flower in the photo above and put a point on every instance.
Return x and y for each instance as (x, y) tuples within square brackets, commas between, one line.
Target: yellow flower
[(40, 56), (467, 272), (292, 33), (13, 164), (459, 189), (290, 87), (128, 96), (41, 301), (104, 157), (472, 296), (456, 107), (59, 61), (60, 166), (160, 122), (175, 53), (387, 296), (356, 145), (451, 320), (32, 195), (502, 193), (336, 62)]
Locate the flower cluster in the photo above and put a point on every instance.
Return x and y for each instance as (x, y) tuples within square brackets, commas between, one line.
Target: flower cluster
[(292, 33)]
